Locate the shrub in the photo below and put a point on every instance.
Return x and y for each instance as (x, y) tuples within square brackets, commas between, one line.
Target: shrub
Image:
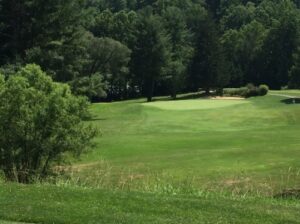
[(236, 91), (249, 91), (263, 90), (41, 124)]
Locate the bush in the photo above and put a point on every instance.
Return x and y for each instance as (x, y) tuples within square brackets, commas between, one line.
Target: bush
[(41, 124), (236, 92), (263, 90), (249, 91)]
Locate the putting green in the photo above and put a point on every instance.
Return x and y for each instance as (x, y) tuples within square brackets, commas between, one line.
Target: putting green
[(199, 104)]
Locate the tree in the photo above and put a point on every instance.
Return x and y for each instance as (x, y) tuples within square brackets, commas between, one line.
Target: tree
[(278, 50), (150, 52), (237, 16), (119, 26), (180, 48), (294, 74), (41, 124), (208, 67), (92, 86), (109, 58), (48, 33), (214, 7), (242, 48)]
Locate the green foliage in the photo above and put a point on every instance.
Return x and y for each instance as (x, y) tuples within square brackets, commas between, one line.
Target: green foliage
[(249, 91), (120, 26), (238, 15), (46, 33), (239, 92), (150, 52), (92, 86), (263, 90), (294, 73), (180, 47), (109, 58), (278, 50), (209, 67), (40, 125), (204, 44)]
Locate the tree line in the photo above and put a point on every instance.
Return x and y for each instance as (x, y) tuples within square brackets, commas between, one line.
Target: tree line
[(120, 49)]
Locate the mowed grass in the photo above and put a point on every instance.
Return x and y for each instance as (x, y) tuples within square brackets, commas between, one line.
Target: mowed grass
[(203, 104), (57, 205), (247, 145), (186, 161)]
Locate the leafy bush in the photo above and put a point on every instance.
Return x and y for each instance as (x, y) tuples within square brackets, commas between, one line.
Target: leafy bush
[(236, 91), (249, 91), (263, 90), (41, 124)]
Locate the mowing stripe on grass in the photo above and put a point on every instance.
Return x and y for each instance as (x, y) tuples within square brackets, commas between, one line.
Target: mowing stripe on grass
[(200, 104)]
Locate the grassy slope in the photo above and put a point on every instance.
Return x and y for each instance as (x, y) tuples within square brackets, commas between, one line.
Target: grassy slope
[(54, 205), (254, 142)]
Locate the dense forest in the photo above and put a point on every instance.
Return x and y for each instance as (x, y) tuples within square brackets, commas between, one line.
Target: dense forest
[(120, 49)]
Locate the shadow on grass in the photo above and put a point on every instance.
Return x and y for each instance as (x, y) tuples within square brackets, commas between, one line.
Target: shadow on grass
[(289, 194), (187, 96), (94, 119), (291, 101)]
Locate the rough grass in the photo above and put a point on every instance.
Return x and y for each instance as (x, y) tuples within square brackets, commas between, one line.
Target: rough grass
[(55, 205)]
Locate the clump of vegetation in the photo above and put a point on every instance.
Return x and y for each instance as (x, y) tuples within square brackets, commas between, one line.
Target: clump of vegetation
[(263, 90), (249, 91), (40, 124)]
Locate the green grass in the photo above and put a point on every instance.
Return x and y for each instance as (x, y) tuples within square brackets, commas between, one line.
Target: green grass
[(248, 145), (55, 205), (10, 222), (185, 105), (184, 161), (291, 92)]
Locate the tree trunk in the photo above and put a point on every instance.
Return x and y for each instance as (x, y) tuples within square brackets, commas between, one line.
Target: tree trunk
[(23, 176), (174, 95), (149, 98), (173, 91), (150, 88), (207, 90), (10, 174)]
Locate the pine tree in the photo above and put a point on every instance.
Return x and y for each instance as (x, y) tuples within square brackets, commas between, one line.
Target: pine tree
[(149, 53)]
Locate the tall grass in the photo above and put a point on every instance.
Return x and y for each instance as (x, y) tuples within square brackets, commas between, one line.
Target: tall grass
[(103, 176)]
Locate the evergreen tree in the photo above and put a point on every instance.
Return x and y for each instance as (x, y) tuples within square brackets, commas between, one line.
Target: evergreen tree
[(180, 48), (149, 53), (294, 74), (48, 33), (277, 52), (208, 68)]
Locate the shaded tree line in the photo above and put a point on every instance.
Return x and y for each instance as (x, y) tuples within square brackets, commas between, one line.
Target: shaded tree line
[(120, 49)]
